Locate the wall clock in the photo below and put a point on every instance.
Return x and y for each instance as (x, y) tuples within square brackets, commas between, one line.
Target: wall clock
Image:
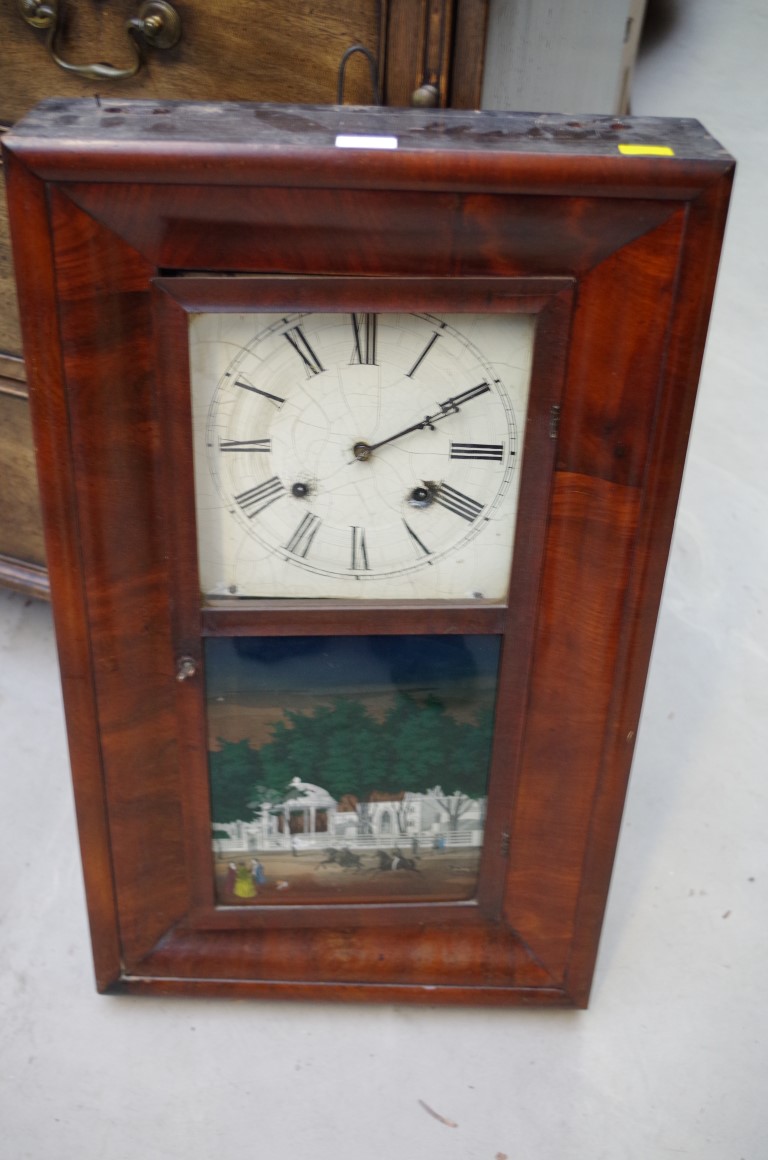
[(359, 435)]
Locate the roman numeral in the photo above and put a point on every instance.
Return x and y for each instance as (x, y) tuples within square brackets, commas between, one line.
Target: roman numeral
[(419, 544), (258, 498), (298, 341), (492, 452), (364, 329), (359, 560), (301, 540), (423, 355), (245, 445), (455, 501), (258, 391)]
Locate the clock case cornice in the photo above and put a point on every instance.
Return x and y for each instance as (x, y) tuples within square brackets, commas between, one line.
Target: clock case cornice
[(106, 201), (262, 144), (87, 149)]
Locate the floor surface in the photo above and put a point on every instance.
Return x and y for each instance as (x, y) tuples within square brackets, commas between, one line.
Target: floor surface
[(671, 1058)]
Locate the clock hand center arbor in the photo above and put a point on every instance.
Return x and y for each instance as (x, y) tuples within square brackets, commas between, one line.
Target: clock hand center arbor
[(363, 451)]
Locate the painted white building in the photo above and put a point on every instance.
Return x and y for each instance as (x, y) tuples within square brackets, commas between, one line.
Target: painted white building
[(310, 818)]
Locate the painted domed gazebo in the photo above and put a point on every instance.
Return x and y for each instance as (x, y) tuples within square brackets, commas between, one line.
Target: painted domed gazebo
[(309, 810)]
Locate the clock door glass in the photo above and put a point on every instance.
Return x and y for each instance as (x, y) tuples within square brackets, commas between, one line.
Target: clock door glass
[(328, 787), (366, 456)]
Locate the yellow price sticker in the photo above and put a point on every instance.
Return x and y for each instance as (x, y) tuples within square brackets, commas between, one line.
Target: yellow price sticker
[(646, 151)]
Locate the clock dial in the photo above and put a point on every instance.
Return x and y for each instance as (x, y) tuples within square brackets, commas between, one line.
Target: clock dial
[(358, 455)]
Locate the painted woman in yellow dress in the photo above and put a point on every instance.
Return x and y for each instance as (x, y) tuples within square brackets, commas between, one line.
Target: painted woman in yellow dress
[(244, 887)]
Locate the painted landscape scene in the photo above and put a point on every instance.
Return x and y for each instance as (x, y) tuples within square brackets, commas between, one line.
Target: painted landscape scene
[(350, 768)]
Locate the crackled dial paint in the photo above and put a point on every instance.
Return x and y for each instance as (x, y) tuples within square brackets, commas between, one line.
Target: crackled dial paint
[(357, 455)]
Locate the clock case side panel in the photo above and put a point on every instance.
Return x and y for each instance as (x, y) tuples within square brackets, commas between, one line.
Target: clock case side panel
[(615, 365), (106, 325), (688, 316), (38, 290), (549, 301), (637, 343), (95, 426)]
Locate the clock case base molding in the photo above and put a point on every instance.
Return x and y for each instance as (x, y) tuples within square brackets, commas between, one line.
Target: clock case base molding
[(125, 219)]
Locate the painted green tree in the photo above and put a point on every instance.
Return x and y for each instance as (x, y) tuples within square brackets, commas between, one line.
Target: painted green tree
[(416, 747), (465, 775), (420, 738), (241, 781), (234, 769)]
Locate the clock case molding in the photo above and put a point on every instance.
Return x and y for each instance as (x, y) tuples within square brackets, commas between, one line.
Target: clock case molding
[(125, 220)]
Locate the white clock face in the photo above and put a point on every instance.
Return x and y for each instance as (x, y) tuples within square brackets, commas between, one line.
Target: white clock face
[(369, 456)]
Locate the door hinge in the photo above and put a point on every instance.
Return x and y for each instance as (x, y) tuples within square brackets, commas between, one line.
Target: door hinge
[(554, 421)]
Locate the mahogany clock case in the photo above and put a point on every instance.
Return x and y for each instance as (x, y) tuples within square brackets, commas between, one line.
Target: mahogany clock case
[(127, 221)]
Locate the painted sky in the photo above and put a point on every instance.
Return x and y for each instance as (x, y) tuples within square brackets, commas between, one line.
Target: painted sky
[(246, 667)]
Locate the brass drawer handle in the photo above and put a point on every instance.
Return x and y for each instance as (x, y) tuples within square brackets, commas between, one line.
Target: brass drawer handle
[(157, 25)]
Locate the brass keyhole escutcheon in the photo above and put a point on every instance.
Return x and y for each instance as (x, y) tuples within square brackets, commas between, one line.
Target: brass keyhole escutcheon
[(186, 667)]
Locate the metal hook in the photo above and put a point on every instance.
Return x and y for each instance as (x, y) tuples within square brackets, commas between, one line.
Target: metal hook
[(373, 68)]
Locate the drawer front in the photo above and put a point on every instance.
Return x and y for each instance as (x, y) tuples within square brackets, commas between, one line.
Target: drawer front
[(246, 50), (22, 552), (10, 331)]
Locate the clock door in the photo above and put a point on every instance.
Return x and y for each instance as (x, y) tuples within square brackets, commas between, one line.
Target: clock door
[(356, 514)]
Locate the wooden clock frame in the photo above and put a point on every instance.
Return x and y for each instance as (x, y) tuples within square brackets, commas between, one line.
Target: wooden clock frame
[(125, 219)]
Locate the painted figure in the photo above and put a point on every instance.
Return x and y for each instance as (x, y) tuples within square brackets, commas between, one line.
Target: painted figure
[(244, 887)]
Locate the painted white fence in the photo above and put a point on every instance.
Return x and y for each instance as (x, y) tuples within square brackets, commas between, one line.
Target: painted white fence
[(305, 842)]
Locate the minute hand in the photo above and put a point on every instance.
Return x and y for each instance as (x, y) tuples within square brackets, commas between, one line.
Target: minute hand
[(449, 407)]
